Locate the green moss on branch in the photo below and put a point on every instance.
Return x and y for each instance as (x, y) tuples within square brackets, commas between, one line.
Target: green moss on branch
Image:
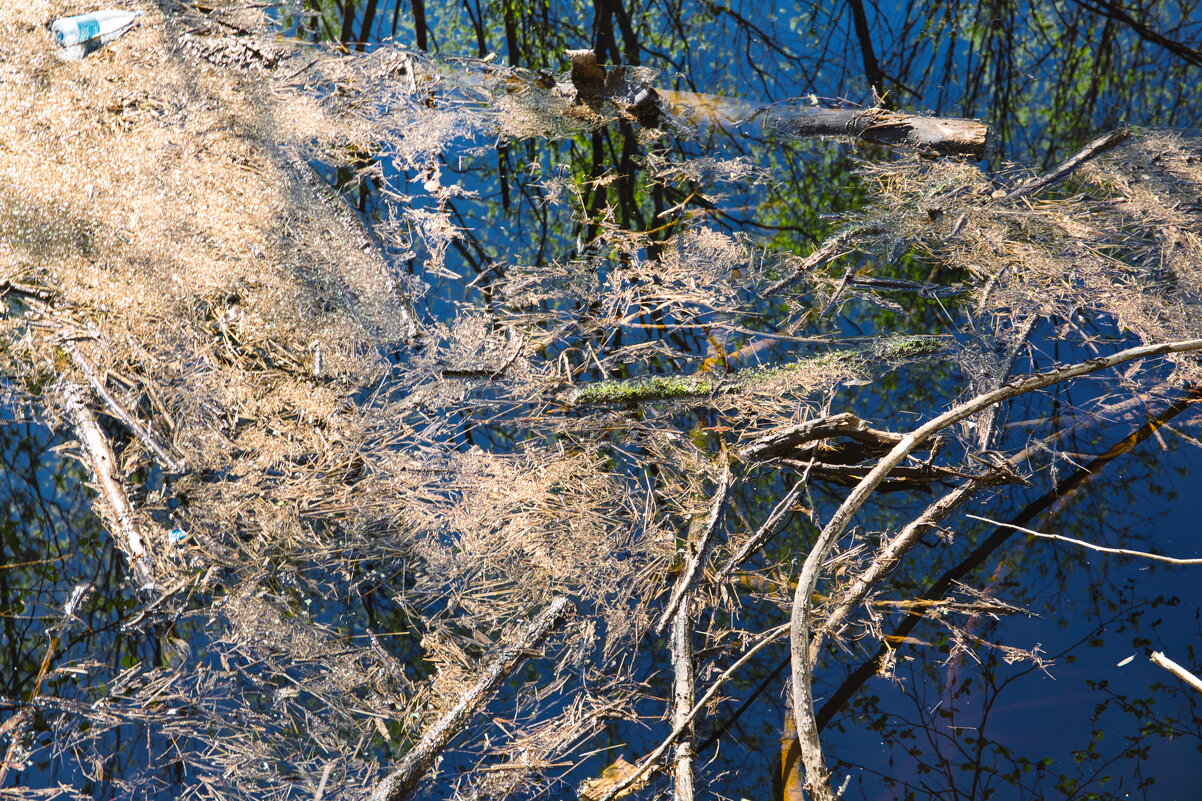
[(802, 375)]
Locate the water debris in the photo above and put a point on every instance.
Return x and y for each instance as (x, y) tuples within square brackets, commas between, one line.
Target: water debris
[(83, 34)]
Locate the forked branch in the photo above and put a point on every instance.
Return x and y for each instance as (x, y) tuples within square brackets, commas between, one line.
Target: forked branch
[(817, 774)]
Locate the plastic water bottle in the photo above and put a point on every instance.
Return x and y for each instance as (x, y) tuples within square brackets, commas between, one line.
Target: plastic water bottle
[(87, 33)]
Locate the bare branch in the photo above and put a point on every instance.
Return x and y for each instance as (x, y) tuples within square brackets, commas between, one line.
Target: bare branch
[(943, 135), (817, 774), (401, 782), (1159, 658), (781, 442), (1100, 548), (117, 510)]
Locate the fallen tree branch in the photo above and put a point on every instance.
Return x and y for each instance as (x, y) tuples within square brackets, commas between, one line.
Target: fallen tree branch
[(1100, 548), (401, 782), (817, 774), (117, 510), (627, 90), (121, 413), (618, 789), (701, 551), (1095, 148), (1159, 658)]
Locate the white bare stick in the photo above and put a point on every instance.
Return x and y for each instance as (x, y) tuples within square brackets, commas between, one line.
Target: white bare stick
[(705, 544), (817, 774), (120, 412), (1102, 548), (401, 782), (1172, 667), (117, 509), (684, 692)]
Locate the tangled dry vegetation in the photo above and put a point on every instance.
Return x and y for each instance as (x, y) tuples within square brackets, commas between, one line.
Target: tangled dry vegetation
[(276, 393)]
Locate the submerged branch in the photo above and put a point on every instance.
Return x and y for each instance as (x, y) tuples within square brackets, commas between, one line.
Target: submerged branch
[(1099, 548), (401, 782)]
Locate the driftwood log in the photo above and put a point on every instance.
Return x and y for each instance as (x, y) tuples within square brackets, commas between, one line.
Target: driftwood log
[(594, 83)]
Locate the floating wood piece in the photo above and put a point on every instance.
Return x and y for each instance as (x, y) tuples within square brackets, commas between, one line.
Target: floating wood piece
[(626, 89), (947, 136)]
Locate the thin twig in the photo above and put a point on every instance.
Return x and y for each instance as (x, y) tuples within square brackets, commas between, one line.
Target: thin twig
[(55, 632), (1102, 548)]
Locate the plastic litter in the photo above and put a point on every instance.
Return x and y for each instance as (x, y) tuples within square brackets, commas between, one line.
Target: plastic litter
[(177, 535), (86, 33)]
